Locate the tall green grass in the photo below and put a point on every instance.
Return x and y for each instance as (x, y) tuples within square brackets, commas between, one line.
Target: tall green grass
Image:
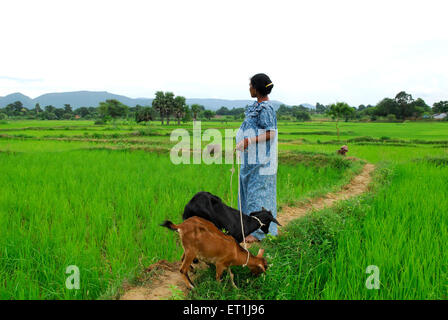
[(100, 210), (64, 203), (401, 229), (404, 233)]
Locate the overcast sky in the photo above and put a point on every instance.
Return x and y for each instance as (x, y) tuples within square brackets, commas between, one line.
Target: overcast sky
[(314, 51)]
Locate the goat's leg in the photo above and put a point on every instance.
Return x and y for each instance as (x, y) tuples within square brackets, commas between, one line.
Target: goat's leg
[(191, 266), (219, 270), (186, 264), (231, 277)]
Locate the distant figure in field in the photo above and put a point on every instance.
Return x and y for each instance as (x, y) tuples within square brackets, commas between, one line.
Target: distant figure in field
[(343, 150)]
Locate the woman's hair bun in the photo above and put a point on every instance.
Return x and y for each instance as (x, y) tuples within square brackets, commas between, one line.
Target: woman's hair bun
[(262, 83)]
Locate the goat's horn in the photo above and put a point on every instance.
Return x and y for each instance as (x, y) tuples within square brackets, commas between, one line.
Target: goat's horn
[(275, 220)]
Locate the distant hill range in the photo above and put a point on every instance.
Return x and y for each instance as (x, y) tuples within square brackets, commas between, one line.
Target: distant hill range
[(78, 99)]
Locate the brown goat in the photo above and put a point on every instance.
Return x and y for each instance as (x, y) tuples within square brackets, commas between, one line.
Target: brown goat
[(202, 239)]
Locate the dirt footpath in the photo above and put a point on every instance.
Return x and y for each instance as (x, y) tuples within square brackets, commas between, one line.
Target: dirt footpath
[(356, 186)]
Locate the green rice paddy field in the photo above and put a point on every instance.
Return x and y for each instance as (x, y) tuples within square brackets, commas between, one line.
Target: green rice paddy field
[(75, 193)]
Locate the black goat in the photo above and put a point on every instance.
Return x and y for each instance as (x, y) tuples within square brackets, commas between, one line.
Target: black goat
[(210, 207)]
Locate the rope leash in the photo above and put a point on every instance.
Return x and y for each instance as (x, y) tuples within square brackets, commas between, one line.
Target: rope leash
[(239, 200)]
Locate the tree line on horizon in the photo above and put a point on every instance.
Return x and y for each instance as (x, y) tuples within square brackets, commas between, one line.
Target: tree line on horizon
[(164, 107), (402, 107), (167, 106)]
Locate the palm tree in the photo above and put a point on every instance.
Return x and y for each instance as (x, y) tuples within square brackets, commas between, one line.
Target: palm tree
[(159, 104), (195, 109), (179, 108), (169, 105)]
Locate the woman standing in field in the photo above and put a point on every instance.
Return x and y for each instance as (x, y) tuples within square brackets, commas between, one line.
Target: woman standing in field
[(257, 142)]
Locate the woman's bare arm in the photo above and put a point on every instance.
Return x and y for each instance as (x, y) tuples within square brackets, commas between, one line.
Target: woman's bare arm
[(260, 138), (263, 137)]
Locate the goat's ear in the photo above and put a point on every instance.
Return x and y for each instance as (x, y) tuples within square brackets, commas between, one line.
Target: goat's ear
[(260, 253), (275, 220), (263, 209)]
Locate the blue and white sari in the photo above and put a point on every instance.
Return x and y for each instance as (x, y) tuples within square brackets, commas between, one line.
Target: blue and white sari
[(258, 170)]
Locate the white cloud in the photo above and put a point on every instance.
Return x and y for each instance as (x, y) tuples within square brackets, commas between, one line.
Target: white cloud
[(354, 51)]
